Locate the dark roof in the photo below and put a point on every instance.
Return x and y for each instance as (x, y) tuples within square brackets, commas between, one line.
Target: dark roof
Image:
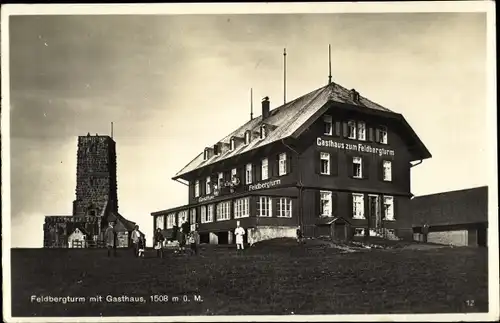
[(82, 229), (121, 224), (329, 220), (289, 119), (455, 207)]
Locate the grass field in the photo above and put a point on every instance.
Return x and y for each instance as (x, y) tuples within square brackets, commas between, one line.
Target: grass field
[(272, 278)]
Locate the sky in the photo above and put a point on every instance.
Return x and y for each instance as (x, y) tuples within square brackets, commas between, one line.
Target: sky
[(175, 84)]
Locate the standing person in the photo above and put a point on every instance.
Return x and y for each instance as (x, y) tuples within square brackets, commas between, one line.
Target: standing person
[(300, 236), (184, 232), (239, 232), (109, 236), (194, 239), (159, 238), (136, 236), (141, 246), (425, 231)]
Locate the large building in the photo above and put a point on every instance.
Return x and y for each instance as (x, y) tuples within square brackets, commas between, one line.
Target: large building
[(96, 202), (331, 161), (457, 218)]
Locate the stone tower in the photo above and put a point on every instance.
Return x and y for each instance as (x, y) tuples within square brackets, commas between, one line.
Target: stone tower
[(96, 186)]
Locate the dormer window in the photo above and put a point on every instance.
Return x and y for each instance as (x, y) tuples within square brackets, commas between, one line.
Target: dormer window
[(233, 144), (247, 137), (205, 154), (263, 132), (354, 95), (216, 149)]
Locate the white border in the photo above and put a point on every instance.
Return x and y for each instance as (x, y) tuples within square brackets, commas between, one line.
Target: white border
[(267, 8)]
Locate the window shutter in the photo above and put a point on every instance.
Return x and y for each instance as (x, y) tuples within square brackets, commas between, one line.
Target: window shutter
[(275, 164), (275, 211), (334, 163), (317, 203), (365, 167), (337, 128), (377, 135), (370, 134), (395, 207), (380, 170), (334, 205), (317, 162), (349, 163), (345, 130), (242, 175), (288, 163), (350, 208), (258, 172)]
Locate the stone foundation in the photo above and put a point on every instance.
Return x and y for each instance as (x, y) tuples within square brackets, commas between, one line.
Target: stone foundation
[(262, 233)]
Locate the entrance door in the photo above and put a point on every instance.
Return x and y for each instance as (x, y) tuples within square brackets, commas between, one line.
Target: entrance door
[(374, 211)]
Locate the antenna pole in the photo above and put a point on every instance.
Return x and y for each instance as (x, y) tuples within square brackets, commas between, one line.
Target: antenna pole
[(111, 130), (329, 64), (284, 75), (251, 103)]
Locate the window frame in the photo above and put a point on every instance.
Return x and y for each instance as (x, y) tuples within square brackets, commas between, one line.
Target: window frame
[(351, 129), (355, 160), (264, 169), (329, 199), (197, 188), (389, 171), (170, 220), (285, 207), (322, 157), (248, 173), (208, 185), (225, 211), (383, 134), (384, 215), (241, 208), (282, 163), (354, 206), (361, 129), (268, 206)]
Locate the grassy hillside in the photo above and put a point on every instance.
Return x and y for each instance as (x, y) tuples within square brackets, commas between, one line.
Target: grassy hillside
[(270, 278)]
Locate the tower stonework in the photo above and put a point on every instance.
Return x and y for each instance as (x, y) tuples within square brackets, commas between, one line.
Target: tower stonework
[(96, 184)]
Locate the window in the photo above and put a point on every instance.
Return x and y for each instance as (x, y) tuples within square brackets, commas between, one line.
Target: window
[(387, 169), (264, 169), (241, 208), (325, 163), (247, 137), (232, 145), (203, 213), (205, 154), (210, 213), (223, 211), (357, 171), (192, 216), (358, 206), (285, 207), (264, 207), (328, 125), (216, 149), (388, 208), (325, 206), (220, 179), (248, 174), (282, 164), (170, 220), (208, 186), (263, 132), (351, 128), (183, 217), (358, 232), (197, 188), (160, 221), (233, 172), (361, 130), (382, 134)]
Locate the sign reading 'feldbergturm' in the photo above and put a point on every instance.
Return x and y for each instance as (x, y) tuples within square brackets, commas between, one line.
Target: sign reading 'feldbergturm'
[(354, 147)]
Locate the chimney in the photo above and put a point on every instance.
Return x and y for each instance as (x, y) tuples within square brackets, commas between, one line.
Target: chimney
[(265, 107)]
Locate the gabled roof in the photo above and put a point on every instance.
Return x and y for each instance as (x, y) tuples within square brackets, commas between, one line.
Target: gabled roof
[(448, 208), (288, 121)]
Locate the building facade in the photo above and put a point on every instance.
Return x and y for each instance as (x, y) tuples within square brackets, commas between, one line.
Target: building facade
[(458, 218), (331, 162), (96, 202)]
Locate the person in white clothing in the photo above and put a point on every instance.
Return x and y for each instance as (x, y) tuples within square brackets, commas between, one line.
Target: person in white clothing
[(239, 232)]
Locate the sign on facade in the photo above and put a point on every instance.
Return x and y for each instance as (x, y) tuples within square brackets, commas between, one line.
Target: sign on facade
[(354, 147)]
